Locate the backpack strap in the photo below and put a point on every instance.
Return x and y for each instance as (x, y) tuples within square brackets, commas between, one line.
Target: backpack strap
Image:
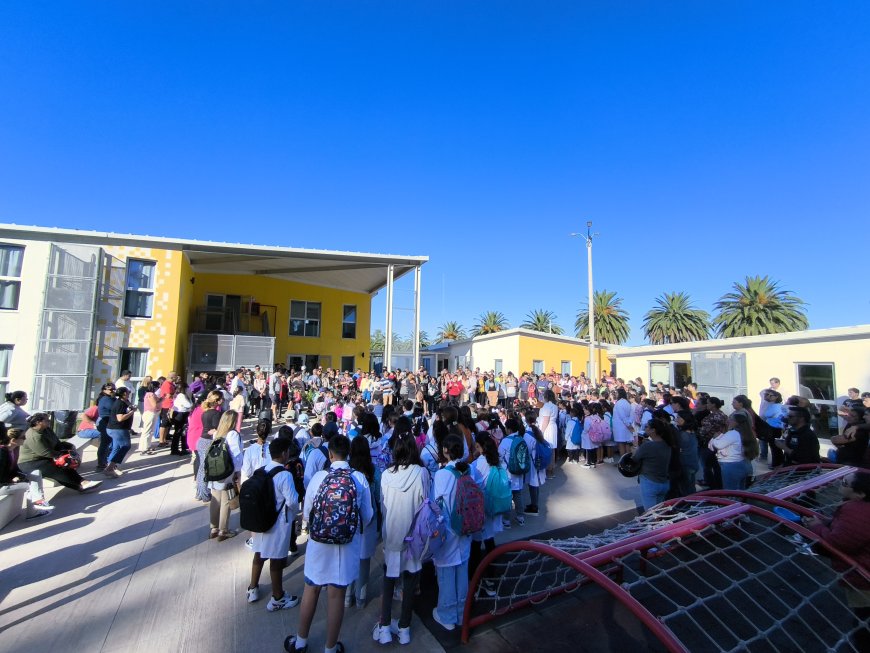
[(272, 473)]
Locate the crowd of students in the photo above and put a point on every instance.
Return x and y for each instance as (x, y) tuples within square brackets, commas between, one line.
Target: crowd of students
[(358, 461)]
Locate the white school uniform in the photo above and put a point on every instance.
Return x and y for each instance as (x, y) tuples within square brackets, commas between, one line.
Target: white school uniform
[(537, 477), (456, 548), (570, 427), (504, 452), (551, 433), (336, 564), (588, 444), (255, 456), (492, 525), (274, 543)]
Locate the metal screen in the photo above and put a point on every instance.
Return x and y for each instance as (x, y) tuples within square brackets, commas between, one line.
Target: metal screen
[(215, 353), (721, 375), (66, 328)]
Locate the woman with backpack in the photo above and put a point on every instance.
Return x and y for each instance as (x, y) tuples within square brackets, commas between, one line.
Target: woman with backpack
[(404, 487), (222, 489), (451, 561), (538, 473), (204, 423), (512, 440), (489, 467), (361, 463)]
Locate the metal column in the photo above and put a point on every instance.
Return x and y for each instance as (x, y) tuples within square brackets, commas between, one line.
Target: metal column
[(388, 344), (416, 362)]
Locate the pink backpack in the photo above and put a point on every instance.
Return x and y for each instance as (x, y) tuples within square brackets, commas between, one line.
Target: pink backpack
[(468, 512), (598, 431)]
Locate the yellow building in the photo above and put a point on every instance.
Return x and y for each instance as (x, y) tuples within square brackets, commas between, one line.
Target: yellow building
[(517, 351), (80, 306)]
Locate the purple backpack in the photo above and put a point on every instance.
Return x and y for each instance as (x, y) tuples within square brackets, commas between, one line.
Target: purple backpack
[(334, 514), (427, 534)]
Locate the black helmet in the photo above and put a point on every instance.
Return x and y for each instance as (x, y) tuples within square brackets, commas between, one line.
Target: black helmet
[(627, 466)]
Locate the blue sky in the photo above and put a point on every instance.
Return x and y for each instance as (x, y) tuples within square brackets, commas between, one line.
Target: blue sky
[(706, 141)]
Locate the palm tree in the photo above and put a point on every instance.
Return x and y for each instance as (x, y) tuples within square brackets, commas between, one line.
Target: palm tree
[(611, 320), (490, 322), (756, 307), (424, 340), (450, 331), (541, 320), (675, 320), (378, 341)]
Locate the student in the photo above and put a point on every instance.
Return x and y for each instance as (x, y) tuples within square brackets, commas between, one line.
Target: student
[(256, 455), (219, 506), (273, 544), (537, 477), (361, 463), (404, 486), (334, 566), (451, 561), (573, 430), (315, 454), (518, 481), (487, 462)]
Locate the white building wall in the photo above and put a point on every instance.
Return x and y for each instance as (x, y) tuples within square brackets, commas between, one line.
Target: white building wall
[(21, 328), (486, 351)]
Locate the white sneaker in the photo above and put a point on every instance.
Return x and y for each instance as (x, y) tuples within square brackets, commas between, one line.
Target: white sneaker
[(403, 633), (253, 594), (439, 622), (250, 543), (348, 601), (382, 634), (283, 603)]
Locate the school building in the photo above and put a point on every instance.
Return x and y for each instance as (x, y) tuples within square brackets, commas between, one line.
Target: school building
[(819, 364), (77, 307), (516, 350)]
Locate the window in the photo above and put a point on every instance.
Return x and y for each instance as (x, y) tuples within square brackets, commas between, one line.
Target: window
[(538, 367), (5, 364), (139, 301), (347, 363), (348, 322), (498, 365), (305, 319), (135, 360), (566, 368), (816, 383), (11, 258)]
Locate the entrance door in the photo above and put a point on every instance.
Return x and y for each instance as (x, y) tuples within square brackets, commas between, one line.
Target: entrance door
[(232, 311), (214, 313), (347, 364)]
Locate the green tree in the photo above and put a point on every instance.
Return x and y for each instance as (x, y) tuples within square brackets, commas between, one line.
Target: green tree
[(378, 341), (611, 320), (674, 319), (425, 340), (490, 322), (541, 320), (450, 331), (757, 307)]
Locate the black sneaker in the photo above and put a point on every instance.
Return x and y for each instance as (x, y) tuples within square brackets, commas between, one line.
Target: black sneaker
[(531, 510)]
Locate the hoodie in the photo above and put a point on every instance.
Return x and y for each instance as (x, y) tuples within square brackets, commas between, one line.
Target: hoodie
[(402, 492)]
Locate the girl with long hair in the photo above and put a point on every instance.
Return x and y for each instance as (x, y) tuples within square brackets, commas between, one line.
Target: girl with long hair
[(223, 489)]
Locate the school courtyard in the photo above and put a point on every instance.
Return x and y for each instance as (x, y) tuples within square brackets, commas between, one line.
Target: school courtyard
[(129, 568)]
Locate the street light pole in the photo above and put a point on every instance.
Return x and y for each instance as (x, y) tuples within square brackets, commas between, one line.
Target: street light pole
[(593, 367)]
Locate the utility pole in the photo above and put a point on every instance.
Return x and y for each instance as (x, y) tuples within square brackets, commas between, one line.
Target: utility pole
[(593, 367)]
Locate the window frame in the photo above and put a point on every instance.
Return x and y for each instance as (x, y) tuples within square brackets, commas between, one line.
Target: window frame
[(140, 290), (305, 320), (344, 321), (535, 367), (351, 368), (4, 374), (562, 368), (13, 279), (498, 365), (122, 367)]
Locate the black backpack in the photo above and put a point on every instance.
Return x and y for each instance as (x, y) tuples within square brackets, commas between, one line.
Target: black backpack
[(218, 461), (258, 513)]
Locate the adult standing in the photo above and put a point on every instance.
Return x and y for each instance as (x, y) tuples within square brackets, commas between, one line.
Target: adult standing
[(209, 420), (167, 396), (800, 445), (219, 506), (181, 407), (654, 457), (104, 411), (150, 407), (118, 428), (729, 452), (550, 427), (622, 422)]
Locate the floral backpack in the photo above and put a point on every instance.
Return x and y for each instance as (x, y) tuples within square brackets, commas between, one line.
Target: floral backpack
[(334, 515)]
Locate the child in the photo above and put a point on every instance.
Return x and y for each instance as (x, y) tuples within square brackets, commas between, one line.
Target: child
[(487, 461), (537, 477), (273, 544), (590, 421), (573, 429), (451, 561), (361, 463), (518, 481), (334, 566)]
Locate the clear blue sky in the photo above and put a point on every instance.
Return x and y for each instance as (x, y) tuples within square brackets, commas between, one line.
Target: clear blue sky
[(706, 141)]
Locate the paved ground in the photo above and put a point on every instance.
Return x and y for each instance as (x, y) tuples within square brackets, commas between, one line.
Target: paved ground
[(130, 568)]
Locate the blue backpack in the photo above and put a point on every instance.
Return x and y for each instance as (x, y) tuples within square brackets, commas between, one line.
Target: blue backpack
[(543, 455), (519, 462), (577, 433), (497, 493)]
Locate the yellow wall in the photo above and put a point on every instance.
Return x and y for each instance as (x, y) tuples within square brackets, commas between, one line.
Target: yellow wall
[(279, 293), (553, 352), (159, 334)]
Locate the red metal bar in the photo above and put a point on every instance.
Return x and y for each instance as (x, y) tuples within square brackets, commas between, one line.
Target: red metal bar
[(813, 483), (662, 632), (763, 498)]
